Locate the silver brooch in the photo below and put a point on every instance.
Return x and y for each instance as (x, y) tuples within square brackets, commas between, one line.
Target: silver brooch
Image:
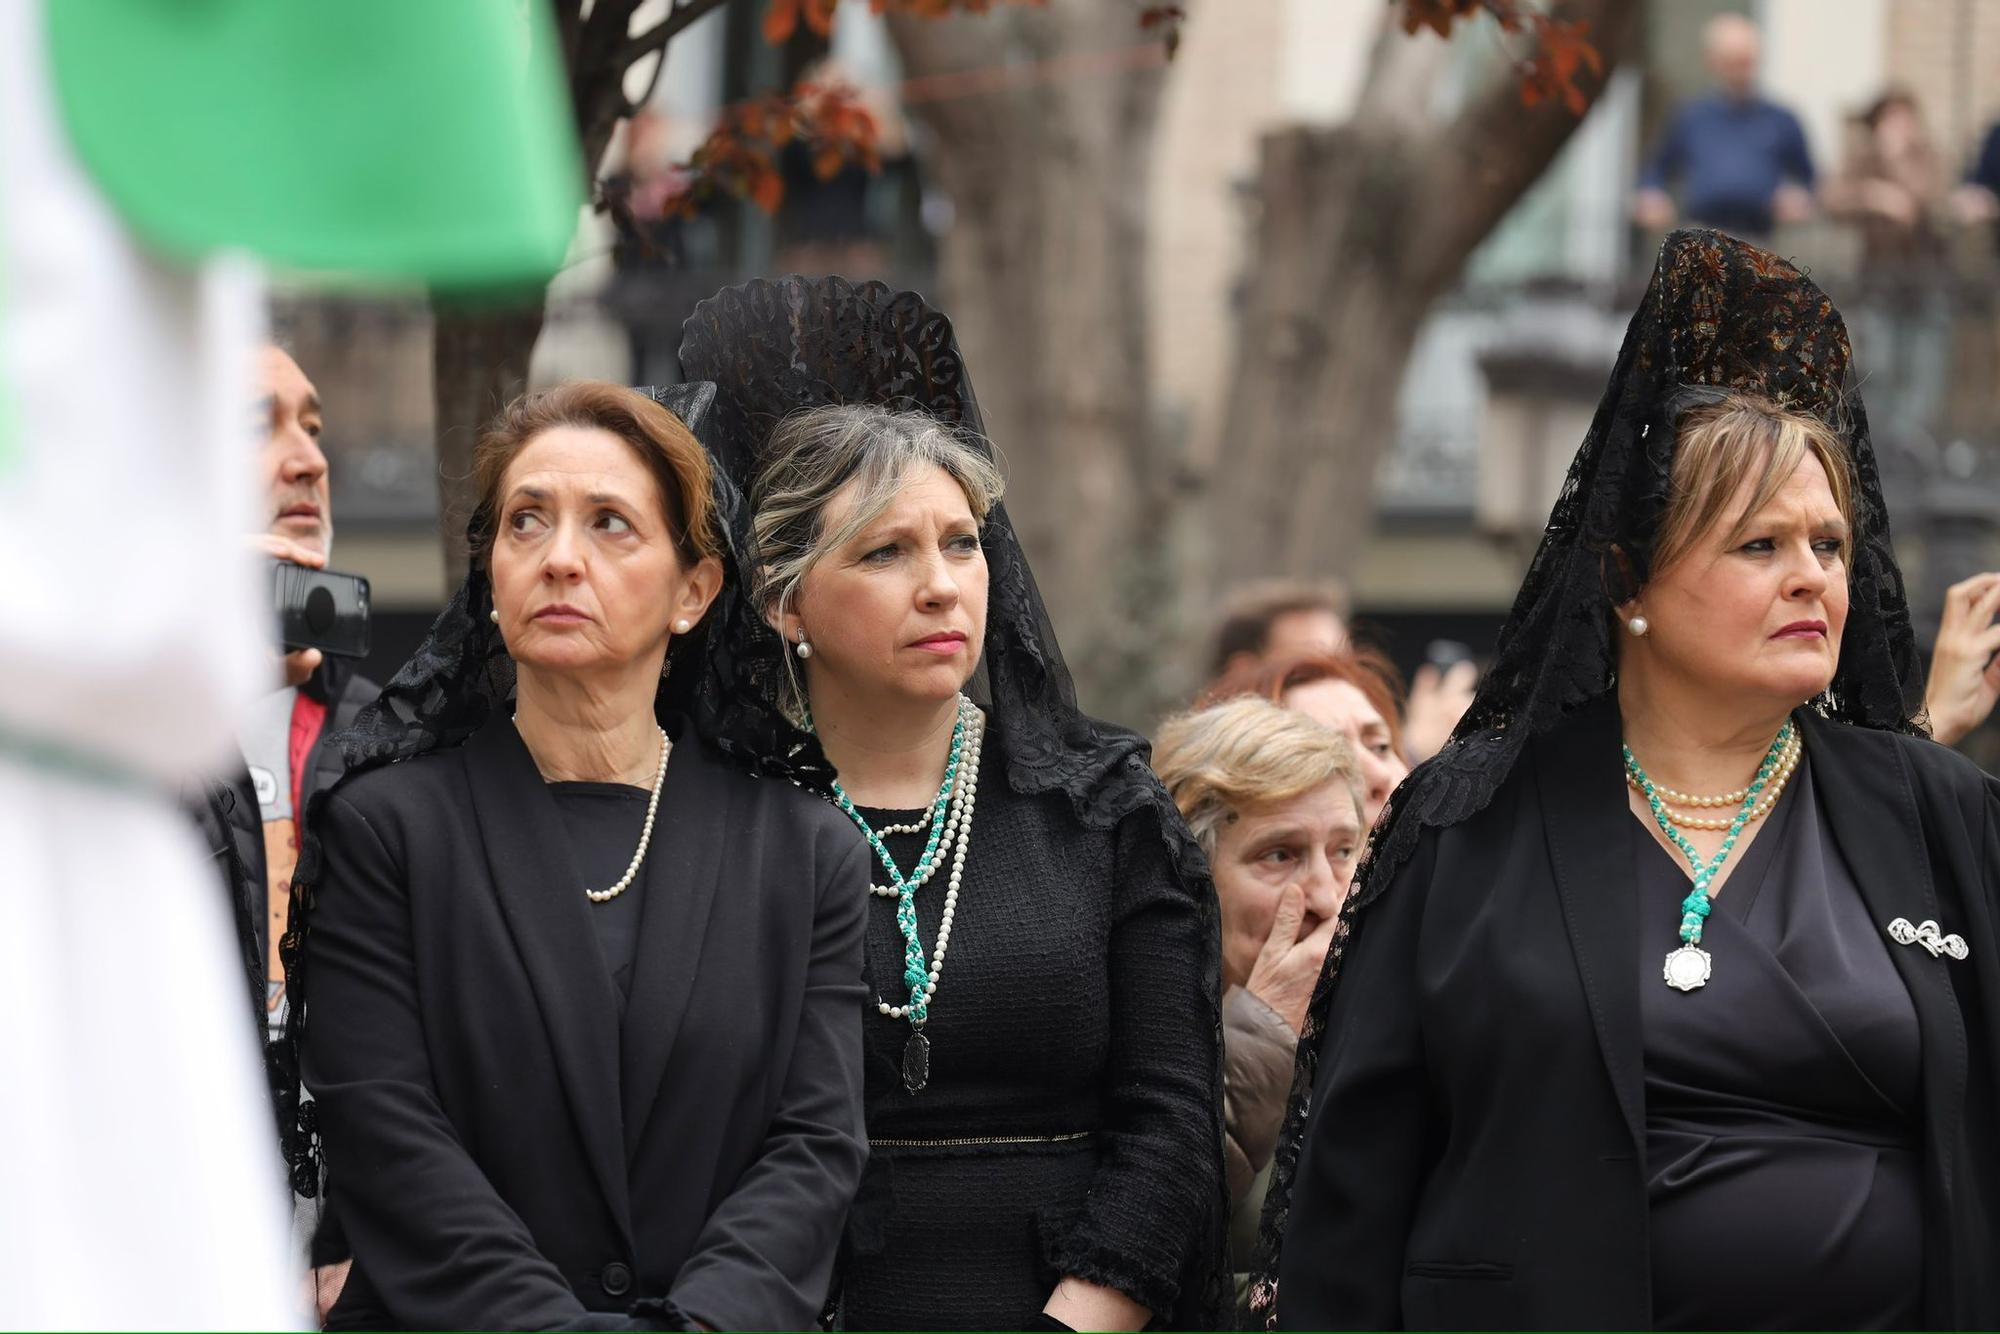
[(1929, 936)]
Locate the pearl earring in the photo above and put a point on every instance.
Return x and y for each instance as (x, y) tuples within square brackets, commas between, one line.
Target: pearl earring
[(804, 650), (1638, 626), (682, 626), (494, 616)]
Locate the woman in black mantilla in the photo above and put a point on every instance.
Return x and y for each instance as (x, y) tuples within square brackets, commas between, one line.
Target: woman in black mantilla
[(1043, 1060), (577, 993), (1666, 997)]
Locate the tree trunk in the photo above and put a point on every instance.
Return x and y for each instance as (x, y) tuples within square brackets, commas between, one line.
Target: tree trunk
[(480, 357), (479, 361), (1043, 274), (1361, 229)]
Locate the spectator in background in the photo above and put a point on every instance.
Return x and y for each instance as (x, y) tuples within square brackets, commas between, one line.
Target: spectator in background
[(1891, 185), (285, 741), (1964, 678), (1354, 692), (1275, 801), (1278, 619), (250, 822), (1978, 199), (1740, 160)]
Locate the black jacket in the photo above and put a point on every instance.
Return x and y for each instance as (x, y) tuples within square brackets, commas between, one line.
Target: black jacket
[(1475, 1156), (506, 1153), (232, 826)]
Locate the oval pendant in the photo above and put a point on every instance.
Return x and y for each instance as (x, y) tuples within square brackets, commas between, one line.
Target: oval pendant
[(917, 1062), (1688, 967)]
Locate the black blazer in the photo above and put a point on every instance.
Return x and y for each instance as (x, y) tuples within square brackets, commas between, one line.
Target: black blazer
[(504, 1154), (1475, 1156)]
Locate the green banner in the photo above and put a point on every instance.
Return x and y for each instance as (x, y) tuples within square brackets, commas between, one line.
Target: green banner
[(424, 140)]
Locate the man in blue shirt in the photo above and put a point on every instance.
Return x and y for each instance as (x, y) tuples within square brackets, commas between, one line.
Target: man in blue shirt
[(1741, 161)]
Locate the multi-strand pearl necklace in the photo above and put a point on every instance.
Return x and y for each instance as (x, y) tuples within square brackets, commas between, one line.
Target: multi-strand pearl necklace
[(1675, 804), (1690, 966), (624, 882), (950, 825)]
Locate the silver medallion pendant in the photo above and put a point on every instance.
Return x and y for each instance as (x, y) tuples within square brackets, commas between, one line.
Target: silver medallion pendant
[(917, 1062), (1688, 967)]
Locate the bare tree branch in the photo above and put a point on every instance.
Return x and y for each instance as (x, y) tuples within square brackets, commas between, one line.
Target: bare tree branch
[(1496, 148), (685, 12), (1402, 78)]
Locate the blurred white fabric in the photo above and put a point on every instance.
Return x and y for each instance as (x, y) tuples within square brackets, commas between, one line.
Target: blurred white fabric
[(141, 1183)]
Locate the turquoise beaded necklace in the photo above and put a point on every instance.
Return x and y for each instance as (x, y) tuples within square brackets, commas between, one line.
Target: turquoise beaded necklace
[(918, 976), (1690, 966)]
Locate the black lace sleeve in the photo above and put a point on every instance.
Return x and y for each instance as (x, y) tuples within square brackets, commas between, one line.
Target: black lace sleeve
[(1147, 1228)]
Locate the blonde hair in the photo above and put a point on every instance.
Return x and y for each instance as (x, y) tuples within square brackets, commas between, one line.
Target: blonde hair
[(1244, 752), (1739, 438), (814, 455)]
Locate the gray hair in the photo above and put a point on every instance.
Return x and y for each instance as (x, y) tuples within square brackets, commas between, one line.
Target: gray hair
[(815, 454)]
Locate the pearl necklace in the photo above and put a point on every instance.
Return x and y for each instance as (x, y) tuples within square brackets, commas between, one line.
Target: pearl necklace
[(956, 843), (1788, 761), (645, 835), (1690, 966), (950, 824)]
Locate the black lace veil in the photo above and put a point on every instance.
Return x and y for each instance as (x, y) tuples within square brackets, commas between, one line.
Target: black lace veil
[(448, 689), (775, 347), (1719, 314)]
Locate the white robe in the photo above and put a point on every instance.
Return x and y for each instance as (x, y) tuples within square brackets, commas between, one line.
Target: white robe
[(140, 1184)]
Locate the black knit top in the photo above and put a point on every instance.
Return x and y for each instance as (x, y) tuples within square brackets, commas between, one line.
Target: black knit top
[(1066, 1127)]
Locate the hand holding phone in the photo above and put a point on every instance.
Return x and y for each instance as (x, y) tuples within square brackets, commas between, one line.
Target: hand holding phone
[(1439, 696), (321, 609), (295, 668)]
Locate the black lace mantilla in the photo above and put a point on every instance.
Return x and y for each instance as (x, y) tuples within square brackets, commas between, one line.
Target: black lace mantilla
[(772, 348), (1719, 313)]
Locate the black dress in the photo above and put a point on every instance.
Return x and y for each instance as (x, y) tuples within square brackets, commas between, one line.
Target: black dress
[(1782, 1099), (603, 822), (1066, 1125)]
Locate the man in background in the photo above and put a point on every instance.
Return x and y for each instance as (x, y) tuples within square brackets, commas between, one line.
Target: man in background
[(286, 736), (1288, 621), (1741, 161), (251, 821), (1278, 619)]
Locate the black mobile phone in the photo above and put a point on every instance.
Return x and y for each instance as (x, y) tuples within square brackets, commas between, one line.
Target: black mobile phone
[(321, 609), (1445, 654)]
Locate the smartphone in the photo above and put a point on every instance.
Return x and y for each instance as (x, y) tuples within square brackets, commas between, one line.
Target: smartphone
[(321, 609), (1445, 654)]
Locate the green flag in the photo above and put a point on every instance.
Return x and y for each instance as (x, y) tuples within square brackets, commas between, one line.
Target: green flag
[(425, 140)]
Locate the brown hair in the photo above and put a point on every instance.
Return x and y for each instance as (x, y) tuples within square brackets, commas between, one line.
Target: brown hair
[(1363, 668), (1743, 438), (1253, 609), (1218, 761), (662, 442)]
